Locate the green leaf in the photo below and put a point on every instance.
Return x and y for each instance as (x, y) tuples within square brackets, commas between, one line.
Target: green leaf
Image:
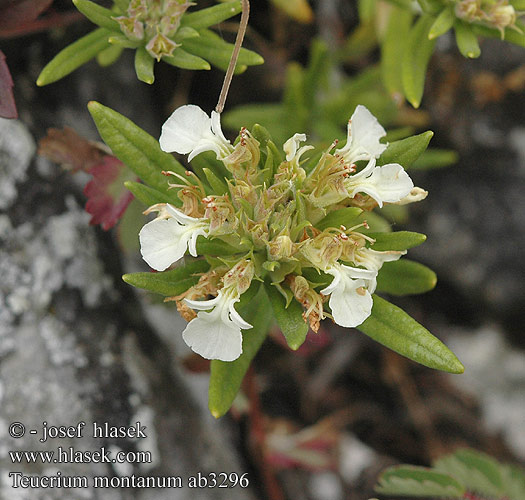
[(212, 15), (290, 319), (98, 14), (443, 22), (393, 48), (122, 41), (182, 59), (405, 277), (214, 49), (136, 148), (109, 55), (410, 480), (466, 40), (218, 186), (74, 56), (169, 283), (226, 377), (394, 328), (510, 35), (418, 51), (513, 481), (343, 217), (144, 65), (431, 6), (406, 151), (376, 223), (475, 470), (398, 240), (122, 5), (215, 246), (147, 195), (435, 158)]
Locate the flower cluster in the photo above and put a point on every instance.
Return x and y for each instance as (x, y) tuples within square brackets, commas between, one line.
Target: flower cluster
[(155, 22), (275, 213), (499, 14)]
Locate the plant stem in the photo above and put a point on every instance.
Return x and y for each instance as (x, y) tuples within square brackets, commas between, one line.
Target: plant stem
[(235, 54)]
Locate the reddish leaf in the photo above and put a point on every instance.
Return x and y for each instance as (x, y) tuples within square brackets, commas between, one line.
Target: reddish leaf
[(7, 100), (16, 13), (107, 196), (70, 150)]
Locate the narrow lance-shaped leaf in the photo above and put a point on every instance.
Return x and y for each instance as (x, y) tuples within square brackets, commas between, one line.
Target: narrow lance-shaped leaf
[(226, 377), (394, 328), (406, 151), (109, 55), (405, 277), (393, 48), (182, 59), (418, 51), (144, 64), (443, 22), (74, 56), (213, 48), (398, 240), (97, 14), (136, 148), (212, 15), (169, 283), (290, 319), (149, 196), (343, 217), (418, 481), (466, 40), (218, 186)]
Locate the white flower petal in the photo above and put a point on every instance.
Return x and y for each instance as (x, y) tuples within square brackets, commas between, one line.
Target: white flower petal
[(349, 306), (181, 216), (208, 336), (386, 184), (216, 125), (364, 133), (291, 145), (184, 129), (203, 305), (162, 243), (236, 317)]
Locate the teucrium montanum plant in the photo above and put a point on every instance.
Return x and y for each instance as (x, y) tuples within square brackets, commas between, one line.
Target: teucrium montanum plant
[(251, 235)]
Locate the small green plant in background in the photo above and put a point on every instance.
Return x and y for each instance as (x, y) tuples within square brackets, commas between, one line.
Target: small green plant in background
[(156, 30), (407, 32), (465, 474)]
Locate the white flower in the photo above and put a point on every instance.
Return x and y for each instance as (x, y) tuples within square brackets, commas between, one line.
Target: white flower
[(364, 133), (190, 130), (290, 147), (216, 334), (350, 300), (386, 184), (165, 240), (374, 260)]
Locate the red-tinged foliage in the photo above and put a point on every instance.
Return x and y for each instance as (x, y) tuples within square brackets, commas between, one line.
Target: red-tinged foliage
[(107, 198), (106, 194), (70, 150), (7, 99)]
